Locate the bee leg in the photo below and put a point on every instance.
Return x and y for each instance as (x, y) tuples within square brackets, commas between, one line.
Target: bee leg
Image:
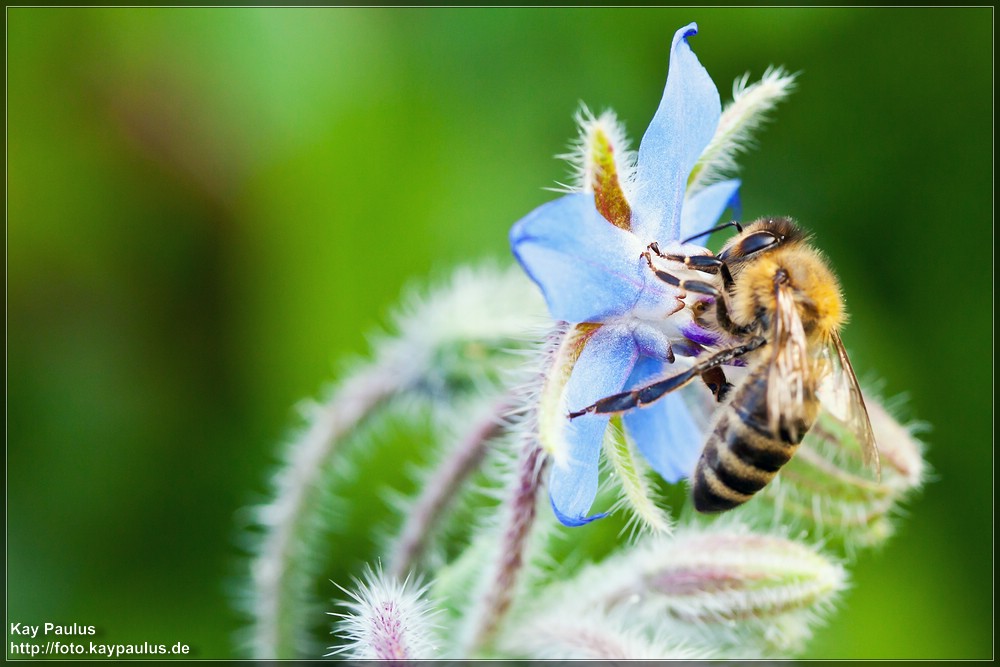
[(705, 264), (703, 287), (702, 263), (699, 286), (627, 400)]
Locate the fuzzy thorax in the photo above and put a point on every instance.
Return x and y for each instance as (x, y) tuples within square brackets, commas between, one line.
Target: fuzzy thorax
[(815, 287)]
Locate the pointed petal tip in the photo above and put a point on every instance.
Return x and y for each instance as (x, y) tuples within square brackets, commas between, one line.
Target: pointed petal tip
[(685, 32), (683, 125), (574, 521)]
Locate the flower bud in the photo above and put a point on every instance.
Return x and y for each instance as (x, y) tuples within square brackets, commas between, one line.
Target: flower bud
[(733, 576), (727, 587), (385, 620), (590, 635), (827, 490)]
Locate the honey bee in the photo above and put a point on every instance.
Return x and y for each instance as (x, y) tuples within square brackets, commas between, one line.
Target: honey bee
[(778, 305)]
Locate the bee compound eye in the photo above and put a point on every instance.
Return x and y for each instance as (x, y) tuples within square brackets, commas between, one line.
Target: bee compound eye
[(756, 242)]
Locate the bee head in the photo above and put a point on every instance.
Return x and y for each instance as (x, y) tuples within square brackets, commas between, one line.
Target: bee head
[(761, 236)]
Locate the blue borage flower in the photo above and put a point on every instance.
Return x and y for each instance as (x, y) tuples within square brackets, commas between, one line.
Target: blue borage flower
[(584, 252)]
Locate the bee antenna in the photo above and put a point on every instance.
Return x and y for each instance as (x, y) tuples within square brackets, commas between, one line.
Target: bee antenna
[(734, 223)]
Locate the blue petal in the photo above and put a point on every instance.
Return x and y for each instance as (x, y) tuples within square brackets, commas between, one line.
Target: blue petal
[(706, 206), (652, 342), (572, 521), (665, 432), (604, 365), (588, 269), (681, 128)]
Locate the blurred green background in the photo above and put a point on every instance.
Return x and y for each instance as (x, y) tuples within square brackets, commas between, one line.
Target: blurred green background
[(209, 208)]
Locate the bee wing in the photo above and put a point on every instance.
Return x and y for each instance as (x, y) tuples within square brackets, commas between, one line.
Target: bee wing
[(789, 365), (840, 396)]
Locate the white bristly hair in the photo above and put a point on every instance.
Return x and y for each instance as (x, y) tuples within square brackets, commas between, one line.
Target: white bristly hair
[(581, 166), (385, 619), (741, 117)]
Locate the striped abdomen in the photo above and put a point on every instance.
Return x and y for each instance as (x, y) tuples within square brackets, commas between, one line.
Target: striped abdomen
[(743, 453)]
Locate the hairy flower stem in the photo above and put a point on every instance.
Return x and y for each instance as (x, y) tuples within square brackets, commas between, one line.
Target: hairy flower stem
[(441, 487), (445, 346), (297, 487), (519, 518)]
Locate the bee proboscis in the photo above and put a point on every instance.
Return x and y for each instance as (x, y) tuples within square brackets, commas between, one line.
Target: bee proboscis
[(779, 309)]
